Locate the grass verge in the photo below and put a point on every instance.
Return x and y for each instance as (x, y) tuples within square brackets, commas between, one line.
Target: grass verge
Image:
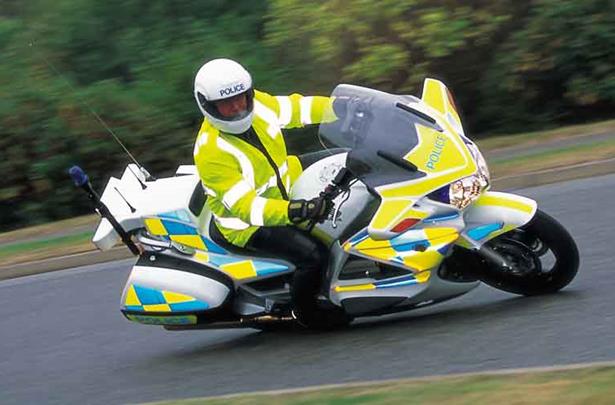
[(552, 159), (539, 137), (22, 252), (592, 385), (50, 230), (72, 235), (47, 244)]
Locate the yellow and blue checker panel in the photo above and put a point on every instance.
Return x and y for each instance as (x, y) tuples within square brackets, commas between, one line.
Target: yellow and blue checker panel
[(412, 242), (418, 249), (240, 268), (483, 231), (171, 227), (403, 281), (144, 299)]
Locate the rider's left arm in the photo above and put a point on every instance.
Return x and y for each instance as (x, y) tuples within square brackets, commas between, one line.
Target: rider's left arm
[(296, 110)]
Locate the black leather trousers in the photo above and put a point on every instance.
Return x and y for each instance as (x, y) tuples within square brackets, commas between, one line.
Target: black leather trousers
[(307, 254)]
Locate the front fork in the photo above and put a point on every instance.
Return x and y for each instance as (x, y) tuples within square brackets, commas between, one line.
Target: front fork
[(493, 257), (493, 214)]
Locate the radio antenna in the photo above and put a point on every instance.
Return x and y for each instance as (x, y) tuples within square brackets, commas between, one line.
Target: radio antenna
[(98, 118)]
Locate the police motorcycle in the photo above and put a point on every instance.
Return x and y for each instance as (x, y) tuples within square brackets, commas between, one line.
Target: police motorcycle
[(414, 223)]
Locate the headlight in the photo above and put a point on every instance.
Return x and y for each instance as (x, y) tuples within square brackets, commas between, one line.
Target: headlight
[(481, 163), (465, 191)]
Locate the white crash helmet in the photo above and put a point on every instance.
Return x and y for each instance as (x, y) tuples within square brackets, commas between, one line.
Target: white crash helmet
[(219, 79)]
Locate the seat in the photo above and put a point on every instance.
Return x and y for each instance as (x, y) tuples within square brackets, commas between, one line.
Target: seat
[(218, 238)]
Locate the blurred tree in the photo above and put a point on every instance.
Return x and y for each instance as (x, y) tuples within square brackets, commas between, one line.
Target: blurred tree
[(391, 44), (560, 66), (510, 64), (130, 61)]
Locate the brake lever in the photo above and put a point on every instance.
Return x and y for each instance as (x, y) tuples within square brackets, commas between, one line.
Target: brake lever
[(339, 185), (329, 193)]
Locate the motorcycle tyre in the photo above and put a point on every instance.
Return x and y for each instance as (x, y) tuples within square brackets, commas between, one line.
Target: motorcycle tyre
[(561, 244)]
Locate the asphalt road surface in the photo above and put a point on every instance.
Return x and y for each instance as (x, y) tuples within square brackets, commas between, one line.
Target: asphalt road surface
[(63, 339)]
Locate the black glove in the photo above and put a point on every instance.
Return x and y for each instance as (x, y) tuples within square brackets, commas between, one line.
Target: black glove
[(317, 209)]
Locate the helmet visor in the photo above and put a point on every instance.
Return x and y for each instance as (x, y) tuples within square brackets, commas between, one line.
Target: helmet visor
[(229, 109), (233, 107)]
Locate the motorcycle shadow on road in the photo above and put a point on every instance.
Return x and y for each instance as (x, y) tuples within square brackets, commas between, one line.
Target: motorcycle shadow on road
[(476, 312), (453, 318)]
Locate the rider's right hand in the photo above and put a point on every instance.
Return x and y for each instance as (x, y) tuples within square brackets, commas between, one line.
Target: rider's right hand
[(317, 209)]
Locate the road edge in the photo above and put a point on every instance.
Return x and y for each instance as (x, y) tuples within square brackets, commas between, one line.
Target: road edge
[(533, 179), (63, 262), (431, 378)]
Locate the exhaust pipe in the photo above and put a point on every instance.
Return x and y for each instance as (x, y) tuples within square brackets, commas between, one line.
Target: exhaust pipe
[(241, 323)]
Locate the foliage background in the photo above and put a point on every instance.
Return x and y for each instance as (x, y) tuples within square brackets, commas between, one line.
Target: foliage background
[(513, 65)]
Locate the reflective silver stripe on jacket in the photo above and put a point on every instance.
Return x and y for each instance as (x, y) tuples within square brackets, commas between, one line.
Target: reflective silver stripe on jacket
[(240, 189), (269, 116), (306, 110), (231, 223), (246, 166), (283, 169), (257, 211), (208, 190), (201, 140), (286, 110), (273, 181)]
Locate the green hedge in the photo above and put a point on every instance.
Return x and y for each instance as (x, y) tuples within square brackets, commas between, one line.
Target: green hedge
[(511, 64)]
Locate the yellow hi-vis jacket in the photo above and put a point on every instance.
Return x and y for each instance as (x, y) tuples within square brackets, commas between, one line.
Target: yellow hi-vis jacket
[(241, 185)]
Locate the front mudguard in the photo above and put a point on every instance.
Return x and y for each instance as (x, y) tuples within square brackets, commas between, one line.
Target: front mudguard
[(493, 214)]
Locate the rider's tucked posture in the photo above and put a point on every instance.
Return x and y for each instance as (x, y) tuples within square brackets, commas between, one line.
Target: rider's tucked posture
[(241, 158)]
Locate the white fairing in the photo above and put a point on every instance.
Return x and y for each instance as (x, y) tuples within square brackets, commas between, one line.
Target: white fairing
[(347, 207), (317, 176), (165, 195), (508, 217), (201, 288), (185, 170)]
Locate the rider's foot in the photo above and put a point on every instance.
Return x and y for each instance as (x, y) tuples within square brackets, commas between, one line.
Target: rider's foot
[(323, 302)]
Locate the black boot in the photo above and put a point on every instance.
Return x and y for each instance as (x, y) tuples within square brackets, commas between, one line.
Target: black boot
[(304, 290)]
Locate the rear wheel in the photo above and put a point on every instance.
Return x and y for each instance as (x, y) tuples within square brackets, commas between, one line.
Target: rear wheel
[(542, 258)]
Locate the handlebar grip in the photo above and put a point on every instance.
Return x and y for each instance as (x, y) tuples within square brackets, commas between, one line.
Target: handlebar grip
[(343, 177)]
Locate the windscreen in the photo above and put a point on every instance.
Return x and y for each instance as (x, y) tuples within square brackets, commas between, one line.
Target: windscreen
[(376, 130)]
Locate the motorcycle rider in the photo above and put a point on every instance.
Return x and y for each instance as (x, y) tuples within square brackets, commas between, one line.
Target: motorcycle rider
[(241, 158)]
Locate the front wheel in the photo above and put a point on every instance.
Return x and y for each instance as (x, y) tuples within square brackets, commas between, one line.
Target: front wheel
[(542, 258)]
